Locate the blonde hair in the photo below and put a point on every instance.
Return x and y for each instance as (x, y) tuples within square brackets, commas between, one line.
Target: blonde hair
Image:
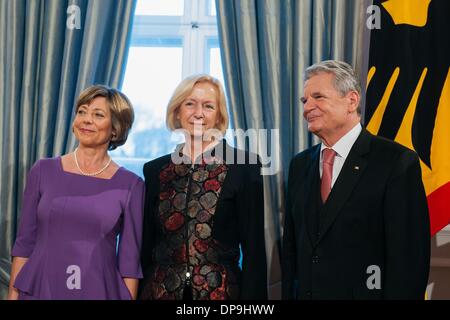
[(184, 89), (122, 113)]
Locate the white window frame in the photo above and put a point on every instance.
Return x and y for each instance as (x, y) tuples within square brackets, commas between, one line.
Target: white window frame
[(195, 27)]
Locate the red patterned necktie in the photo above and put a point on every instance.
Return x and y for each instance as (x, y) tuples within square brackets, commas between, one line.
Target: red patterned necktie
[(327, 173)]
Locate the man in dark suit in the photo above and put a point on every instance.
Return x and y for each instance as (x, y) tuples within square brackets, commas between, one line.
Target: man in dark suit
[(357, 223)]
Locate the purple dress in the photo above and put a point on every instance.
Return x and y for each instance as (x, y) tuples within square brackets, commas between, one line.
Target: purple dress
[(82, 234)]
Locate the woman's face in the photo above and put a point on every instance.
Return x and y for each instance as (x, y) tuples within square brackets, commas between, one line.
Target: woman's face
[(92, 125), (200, 110)]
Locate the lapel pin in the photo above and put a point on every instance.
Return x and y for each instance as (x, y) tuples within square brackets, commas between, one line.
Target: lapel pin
[(356, 167)]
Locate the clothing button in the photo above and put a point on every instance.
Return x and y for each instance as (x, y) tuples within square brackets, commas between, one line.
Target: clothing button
[(188, 275), (315, 259)]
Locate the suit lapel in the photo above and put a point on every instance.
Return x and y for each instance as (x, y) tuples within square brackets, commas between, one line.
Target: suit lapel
[(353, 168), (308, 198)]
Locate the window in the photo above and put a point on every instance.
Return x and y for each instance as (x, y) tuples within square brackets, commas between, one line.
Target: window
[(160, 8), (171, 39)]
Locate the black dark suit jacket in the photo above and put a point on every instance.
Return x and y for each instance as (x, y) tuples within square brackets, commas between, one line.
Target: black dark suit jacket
[(376, 215)]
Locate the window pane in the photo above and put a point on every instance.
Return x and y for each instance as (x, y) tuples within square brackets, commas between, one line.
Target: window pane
[(212, 7), (160, 7), (213, 57), (215, 64), (151, 76)]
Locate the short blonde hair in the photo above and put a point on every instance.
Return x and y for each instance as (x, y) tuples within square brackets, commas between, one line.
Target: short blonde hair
[(184, 89), (122, 113)]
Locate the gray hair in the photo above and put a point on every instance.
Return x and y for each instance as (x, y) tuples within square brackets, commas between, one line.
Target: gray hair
[(345, 79)]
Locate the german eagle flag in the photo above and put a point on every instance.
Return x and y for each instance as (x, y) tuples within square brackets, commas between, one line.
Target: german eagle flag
[(408, 90)]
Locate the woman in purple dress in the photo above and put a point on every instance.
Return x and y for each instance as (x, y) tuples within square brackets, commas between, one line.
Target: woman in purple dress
[(81, 223)]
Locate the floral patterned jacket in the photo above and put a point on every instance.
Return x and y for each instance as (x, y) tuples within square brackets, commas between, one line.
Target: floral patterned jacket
[(198, 221)]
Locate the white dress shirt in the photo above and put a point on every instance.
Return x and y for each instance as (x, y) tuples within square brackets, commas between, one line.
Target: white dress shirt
[(342, 148)]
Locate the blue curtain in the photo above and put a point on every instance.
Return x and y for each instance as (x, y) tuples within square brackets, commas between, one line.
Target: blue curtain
[(50, 50), (265, 46)]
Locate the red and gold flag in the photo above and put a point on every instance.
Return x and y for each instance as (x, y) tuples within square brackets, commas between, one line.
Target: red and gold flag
[(408, 90)]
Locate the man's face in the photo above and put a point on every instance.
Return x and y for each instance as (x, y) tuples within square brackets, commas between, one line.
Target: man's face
[(325, 109)]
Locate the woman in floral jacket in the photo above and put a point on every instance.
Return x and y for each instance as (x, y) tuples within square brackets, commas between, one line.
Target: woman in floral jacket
[(204, 209)]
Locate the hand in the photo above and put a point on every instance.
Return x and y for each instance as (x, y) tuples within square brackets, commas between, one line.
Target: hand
[(13, 294), (132, 285)]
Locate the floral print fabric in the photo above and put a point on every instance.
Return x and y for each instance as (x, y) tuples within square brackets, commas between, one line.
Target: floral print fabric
[(188, 197)]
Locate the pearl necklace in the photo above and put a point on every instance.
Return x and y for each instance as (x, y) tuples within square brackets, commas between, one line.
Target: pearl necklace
[(96, 173)]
